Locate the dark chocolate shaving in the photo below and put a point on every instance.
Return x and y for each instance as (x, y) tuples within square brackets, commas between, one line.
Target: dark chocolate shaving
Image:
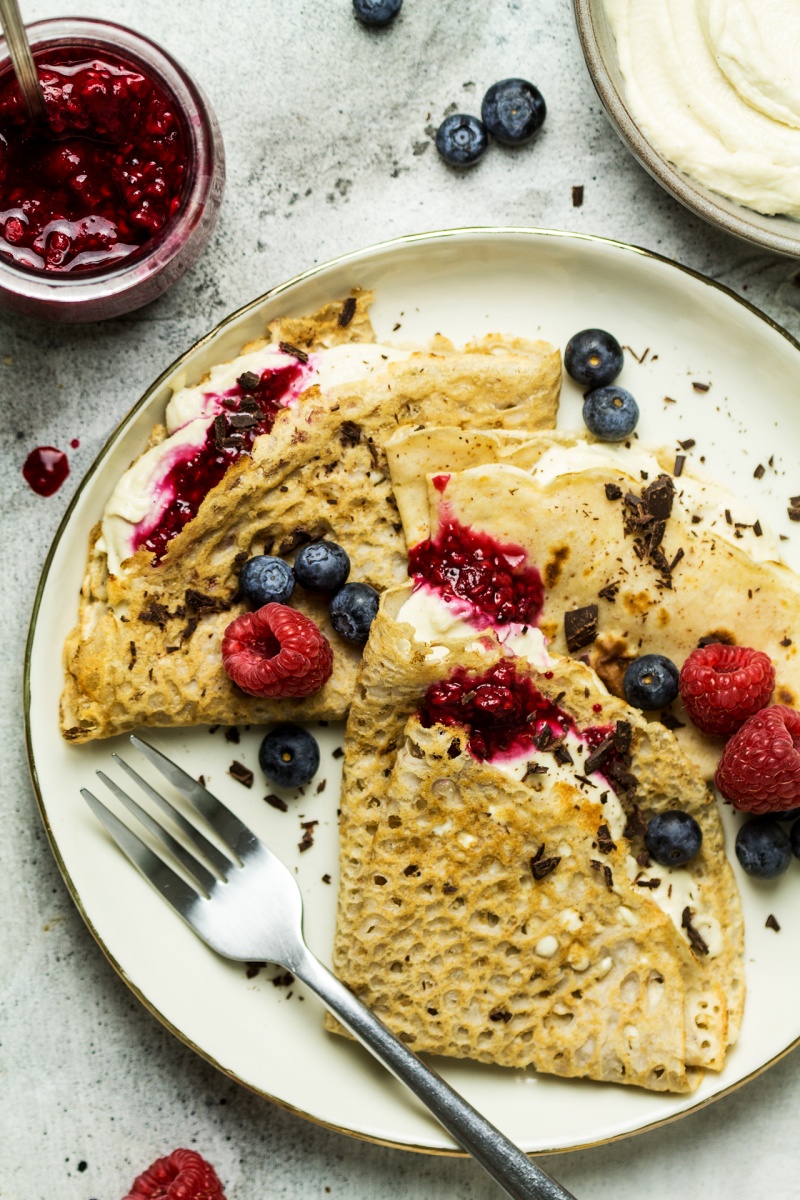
[(687, 445), (307, 840), (454, 749), (241, 773), (759, 472), (700, 387), (580, 627), (349, 433), (155, 614), (295, 351), (599, 756), (577, 195), (772, 923), (562, 755), (635, 826), (541, 866), (606, 869), (277, 802), (695, 940), (613, 491), (347, 312), (232, 735), (605, 843), (648, 883), (622, 737), (609, 592), (248, 381)]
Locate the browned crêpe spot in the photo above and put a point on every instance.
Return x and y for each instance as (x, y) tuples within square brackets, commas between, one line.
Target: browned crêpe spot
[(610, 659), (662, 618), (638, 602), (553, 568), (785, 695)]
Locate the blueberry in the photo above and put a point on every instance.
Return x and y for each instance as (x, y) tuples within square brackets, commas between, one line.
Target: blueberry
[(461, 140), (321, 567), (353, 610), (651, 682), (513, 110), (289, 756), (376, 12), (763, 848), (610, 413), (791, 814), (593, 357), (673, 838), (266, 580), (794, 838)]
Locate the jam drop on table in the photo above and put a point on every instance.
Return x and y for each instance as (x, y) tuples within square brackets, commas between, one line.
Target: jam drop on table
[(45, 469), (102, 178)]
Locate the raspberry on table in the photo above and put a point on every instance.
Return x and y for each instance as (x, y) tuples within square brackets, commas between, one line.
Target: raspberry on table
[(276, 651), (721, 686), (759, 771), (182, 1175)]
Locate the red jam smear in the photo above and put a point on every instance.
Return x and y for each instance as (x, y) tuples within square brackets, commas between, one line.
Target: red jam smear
[(189, 481), (462, 563), (45, 469), (504, 713), (105, 174)]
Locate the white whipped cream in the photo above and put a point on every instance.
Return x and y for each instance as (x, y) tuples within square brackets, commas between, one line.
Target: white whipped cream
[(676, 892), (713, 84), (695, 495), (143, 493)]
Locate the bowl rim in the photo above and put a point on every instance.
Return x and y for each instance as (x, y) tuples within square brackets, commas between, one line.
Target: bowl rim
[(693, 196)]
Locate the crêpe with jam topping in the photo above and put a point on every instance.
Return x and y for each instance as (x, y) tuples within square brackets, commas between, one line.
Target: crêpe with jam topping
[(496, 899), (282, 446), (631, 558)]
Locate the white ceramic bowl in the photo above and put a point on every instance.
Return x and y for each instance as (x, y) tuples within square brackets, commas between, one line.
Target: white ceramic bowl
[(781, 234)]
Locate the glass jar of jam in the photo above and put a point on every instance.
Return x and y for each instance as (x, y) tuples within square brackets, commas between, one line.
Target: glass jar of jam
[(106, 205)]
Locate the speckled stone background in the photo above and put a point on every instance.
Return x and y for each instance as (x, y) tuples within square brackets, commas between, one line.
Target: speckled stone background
[(328, 135)]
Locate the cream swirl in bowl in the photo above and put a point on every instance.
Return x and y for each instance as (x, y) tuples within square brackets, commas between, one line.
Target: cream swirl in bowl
[(713, 86)]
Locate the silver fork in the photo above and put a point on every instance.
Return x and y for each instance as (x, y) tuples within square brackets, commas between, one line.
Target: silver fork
[(248, 907)]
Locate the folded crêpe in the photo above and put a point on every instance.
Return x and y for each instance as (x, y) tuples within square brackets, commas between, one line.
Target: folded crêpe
[(632, 558), (501, 906), (280, 447)]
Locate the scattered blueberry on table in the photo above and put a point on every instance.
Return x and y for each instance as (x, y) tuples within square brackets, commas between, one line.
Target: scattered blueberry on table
[(353, 609), (376, 12), (266, 580), (763, 848), (651, 682), (513, 110), (462, 140), (610, 413), (289, 756), (593, 357), (673, 838)]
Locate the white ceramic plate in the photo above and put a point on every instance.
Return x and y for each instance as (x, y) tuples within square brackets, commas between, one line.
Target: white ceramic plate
[(461, 283)]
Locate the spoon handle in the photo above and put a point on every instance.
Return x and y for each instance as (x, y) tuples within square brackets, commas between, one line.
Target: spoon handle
[(22, 59)]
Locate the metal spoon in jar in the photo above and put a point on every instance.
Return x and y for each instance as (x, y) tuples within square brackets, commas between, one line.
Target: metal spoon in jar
[(22, 59)]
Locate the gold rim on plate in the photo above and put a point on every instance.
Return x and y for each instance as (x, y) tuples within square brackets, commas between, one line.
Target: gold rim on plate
[(351, 257)]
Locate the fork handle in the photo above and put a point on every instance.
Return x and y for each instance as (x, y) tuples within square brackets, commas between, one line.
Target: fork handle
[(517, 1175)]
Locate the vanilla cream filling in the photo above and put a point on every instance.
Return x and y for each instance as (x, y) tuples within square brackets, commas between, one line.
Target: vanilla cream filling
[(713, 84), (143, 495)]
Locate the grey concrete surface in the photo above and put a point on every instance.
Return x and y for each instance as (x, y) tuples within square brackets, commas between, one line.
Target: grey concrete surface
[(326, 127)]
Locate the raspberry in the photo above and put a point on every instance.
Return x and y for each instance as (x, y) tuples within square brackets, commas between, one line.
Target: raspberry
[(276, 651), (184, 1175), (759, 771), (721, 686)]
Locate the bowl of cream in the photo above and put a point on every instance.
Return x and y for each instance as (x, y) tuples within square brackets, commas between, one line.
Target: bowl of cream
[(706, 95)]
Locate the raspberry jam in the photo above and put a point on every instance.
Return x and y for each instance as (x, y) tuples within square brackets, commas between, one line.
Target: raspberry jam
[(45, 469), (504, 712), (462, 563), (247, 410), (105, 175)]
